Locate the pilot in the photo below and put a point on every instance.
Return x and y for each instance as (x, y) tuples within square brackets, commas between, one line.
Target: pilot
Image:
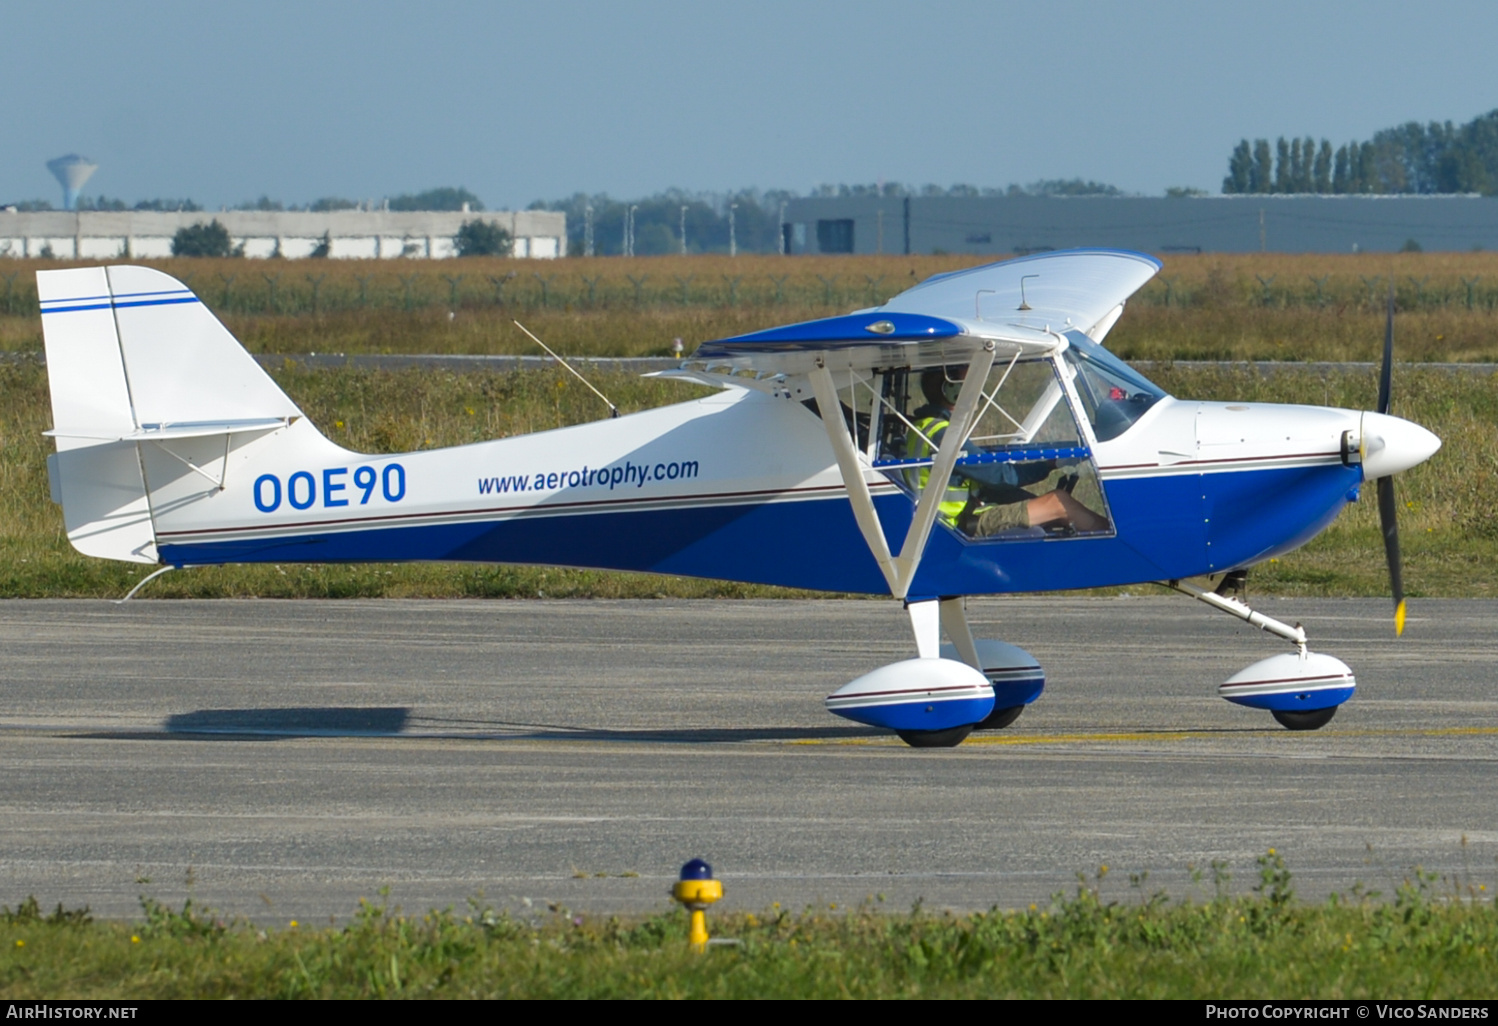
[(987, 499)]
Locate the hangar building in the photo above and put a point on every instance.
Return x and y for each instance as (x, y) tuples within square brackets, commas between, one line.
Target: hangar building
[(1004, 226), (352, 234)]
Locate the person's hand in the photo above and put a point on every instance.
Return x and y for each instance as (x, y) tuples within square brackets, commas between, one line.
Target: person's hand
[(1060, 507)]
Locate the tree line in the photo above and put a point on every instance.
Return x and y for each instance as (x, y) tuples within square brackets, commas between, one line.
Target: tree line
[(1410, 159), (474, 238), (448, 198)]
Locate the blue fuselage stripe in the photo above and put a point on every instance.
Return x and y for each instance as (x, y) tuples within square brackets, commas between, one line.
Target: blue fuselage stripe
[(1167, 527)]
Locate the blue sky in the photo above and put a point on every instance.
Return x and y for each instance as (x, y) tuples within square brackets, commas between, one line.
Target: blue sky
[(223, 102)]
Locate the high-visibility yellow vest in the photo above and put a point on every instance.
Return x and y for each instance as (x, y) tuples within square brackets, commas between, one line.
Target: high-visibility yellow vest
[(956, 497)]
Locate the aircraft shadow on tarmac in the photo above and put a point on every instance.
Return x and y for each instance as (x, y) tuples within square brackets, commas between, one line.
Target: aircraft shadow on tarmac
[(398, 721)]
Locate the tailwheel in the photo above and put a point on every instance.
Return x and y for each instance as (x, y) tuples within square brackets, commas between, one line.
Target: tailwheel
[(1308, 719), (1000, 718), (949, 738)]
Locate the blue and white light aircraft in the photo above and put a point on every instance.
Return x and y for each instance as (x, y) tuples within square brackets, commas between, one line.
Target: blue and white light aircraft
[(972, 436)]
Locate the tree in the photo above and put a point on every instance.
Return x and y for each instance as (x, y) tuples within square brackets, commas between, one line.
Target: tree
[(445, 198), (1324, 167), (168, 205), (1305, 178), (203, 240), (101, 203), (1240, 170), (1413, 158), (482, 238), (1263, 170), (1341, 172), (1067, 187)]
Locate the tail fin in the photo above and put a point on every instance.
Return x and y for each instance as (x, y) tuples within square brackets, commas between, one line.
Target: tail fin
[(134, 357)]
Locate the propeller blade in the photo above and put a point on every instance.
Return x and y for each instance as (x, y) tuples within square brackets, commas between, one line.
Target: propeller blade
[(1386, 372), (1388, 506), (1388, 520)]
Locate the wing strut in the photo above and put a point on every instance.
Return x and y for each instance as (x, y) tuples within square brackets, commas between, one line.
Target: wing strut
[(852, 472), (899, 571)]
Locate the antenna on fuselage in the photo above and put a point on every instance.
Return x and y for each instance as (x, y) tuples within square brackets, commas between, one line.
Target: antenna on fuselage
[(614, 410)]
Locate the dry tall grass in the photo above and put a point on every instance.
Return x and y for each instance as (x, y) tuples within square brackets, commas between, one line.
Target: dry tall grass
[(1258, 306)]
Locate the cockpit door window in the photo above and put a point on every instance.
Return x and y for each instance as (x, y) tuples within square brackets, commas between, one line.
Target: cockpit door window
[(1026, 470)]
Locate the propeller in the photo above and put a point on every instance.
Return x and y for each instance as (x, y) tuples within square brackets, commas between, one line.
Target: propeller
[(1388, 507)]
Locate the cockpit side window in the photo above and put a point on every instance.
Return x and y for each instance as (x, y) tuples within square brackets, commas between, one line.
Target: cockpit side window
[(1025, 471), (1114, 395)]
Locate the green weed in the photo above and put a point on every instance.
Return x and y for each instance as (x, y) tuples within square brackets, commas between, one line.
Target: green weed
[(1428, 943)]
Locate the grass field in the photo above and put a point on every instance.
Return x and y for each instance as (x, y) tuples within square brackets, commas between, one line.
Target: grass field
[(1431, 938), (1257, 306), (1449, 515)]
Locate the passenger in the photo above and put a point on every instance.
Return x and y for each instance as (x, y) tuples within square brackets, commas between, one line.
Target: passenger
[(987, 499)]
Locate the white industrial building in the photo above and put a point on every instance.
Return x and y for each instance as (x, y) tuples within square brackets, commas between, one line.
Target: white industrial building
[(351, 234)]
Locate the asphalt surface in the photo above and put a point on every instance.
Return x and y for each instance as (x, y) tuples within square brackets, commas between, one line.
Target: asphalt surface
[(280, 760)]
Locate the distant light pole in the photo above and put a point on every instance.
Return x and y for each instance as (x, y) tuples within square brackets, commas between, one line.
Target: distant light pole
[(683, 229), (733, 244), (629, 230), (780, 229), (588, 230)]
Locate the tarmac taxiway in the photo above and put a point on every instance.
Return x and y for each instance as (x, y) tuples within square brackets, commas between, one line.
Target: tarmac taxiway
[(282, 759)]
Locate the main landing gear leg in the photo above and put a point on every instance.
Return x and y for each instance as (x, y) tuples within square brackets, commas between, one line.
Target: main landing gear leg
[(1301, 691), (926, 620), (954, 620)]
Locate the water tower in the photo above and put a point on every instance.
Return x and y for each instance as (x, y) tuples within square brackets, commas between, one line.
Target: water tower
[(72, 171)]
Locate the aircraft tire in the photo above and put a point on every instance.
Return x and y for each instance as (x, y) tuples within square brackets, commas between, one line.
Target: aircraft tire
[(949, 738), (1000, 718), (1312, 719)]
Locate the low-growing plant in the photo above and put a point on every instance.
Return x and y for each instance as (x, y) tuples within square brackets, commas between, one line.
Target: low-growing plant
[(30, 912), (1425, 944)]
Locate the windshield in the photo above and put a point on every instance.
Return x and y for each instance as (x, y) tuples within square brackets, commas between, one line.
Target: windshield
[(1114, 395)]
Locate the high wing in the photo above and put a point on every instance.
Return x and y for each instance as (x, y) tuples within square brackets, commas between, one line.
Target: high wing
[(1076, 289), (1018, 307)]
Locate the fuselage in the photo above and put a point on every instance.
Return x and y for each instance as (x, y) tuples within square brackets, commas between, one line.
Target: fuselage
[(742, 485)]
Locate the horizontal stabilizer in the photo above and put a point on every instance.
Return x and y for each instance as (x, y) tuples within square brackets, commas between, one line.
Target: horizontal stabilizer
[(165, 432)]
